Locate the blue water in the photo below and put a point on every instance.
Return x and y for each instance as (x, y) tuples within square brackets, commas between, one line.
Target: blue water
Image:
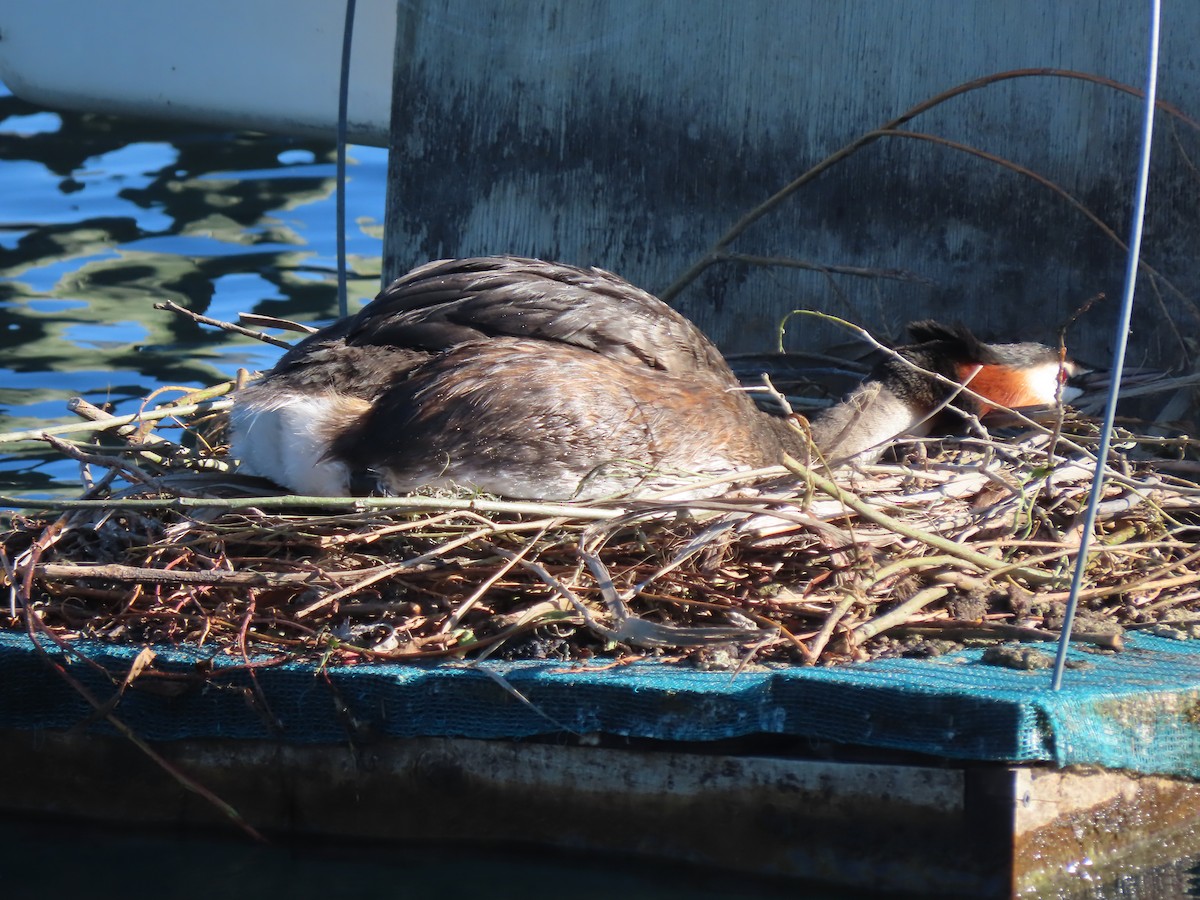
[(101, 218)]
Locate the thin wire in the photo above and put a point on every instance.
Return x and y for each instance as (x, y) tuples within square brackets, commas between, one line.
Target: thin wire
[(1114, 384), (343, 103)]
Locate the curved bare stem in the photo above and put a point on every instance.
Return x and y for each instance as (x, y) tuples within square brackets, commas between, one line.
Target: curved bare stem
[(714, 254)]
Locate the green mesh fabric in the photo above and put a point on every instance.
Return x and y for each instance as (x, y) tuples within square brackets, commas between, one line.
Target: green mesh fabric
[(1134, 710)]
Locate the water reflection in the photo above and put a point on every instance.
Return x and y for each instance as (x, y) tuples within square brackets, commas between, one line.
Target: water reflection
[(103, 217), (183, 865)]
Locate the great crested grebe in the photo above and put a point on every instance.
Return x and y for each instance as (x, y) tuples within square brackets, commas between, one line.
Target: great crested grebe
[(538, 380)]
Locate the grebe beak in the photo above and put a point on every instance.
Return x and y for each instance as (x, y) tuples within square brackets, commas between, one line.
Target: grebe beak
[(1073, 379)]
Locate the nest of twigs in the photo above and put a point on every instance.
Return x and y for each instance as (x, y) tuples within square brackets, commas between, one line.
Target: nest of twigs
[(965, 540)]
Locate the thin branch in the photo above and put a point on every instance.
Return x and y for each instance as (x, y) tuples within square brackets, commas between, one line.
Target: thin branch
[(713, 254), (171, 306)]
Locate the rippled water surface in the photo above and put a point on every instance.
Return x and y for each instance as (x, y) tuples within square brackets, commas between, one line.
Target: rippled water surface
[(101, 218)]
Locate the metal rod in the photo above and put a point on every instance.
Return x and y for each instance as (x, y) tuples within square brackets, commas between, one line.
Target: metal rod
[(343, 103), (1126, 311)]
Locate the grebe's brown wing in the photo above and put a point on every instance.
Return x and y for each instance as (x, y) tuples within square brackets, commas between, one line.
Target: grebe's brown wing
[(528, 418), (449, 302)]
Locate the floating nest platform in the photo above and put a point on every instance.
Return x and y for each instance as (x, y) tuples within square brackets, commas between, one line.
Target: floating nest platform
[(963, 540)]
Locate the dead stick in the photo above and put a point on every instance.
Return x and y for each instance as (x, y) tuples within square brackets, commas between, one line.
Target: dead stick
[(901, 614), (713, 254), (1003, 631), (170, 306), (394, 505), (933, 540), (817, 647), (115, 572), (792, 263), (160, 412), (132, 472)]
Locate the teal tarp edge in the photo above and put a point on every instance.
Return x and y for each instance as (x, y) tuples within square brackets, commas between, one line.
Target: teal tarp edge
[(1135, 710)]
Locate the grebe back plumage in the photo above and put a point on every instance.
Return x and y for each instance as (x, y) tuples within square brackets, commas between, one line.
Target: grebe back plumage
[(478, 372)]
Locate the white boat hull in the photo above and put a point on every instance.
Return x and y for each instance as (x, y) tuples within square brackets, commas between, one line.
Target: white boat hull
[(266, 65)]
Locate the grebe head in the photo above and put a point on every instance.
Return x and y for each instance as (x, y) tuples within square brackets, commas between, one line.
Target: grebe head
[(1004, 375), (902, 398)]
